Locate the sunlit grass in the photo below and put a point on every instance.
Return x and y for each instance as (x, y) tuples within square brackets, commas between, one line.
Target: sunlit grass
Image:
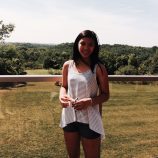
[(31, 115), (38, 72), (44, 72), (130, 119)]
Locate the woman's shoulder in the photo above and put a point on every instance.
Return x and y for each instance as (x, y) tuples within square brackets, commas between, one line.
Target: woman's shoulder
[(101, 68), (67, 63)]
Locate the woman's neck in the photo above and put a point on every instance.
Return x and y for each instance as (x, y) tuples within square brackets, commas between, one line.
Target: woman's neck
[(85, 61)]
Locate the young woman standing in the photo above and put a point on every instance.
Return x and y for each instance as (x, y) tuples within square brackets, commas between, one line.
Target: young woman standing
[(84, 88)]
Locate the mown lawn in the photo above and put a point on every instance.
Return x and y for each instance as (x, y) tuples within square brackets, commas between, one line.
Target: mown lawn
[(38, 72), (30, 116)]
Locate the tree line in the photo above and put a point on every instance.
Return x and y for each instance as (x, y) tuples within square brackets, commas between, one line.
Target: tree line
[(16, 58)]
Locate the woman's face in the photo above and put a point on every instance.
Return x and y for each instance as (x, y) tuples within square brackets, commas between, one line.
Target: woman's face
[(86, 47)]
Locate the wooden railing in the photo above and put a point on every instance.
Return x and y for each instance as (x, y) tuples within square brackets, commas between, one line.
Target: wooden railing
[(51, 78)]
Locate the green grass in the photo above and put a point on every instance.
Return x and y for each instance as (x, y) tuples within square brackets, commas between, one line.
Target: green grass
[(43, 72), (38, 72), (31, 115), (130, 119)]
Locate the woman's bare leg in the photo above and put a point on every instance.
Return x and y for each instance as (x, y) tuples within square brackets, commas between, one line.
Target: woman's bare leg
[(72, 141), (91, 147)]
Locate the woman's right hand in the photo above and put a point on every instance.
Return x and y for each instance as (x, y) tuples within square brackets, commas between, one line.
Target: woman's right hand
[(65, 101)]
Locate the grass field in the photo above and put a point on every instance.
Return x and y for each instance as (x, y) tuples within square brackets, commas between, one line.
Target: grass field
[(30, 116), (38, 72), (43, 72)]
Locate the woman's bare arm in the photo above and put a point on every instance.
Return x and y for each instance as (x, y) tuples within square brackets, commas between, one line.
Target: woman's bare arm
[(102, 77), (63, 97)]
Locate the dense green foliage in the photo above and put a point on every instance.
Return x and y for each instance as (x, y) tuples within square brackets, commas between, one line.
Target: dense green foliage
[(10, 61), (118, 59)]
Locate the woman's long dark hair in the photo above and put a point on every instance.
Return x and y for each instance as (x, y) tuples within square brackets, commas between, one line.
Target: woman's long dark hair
[(94, 57)]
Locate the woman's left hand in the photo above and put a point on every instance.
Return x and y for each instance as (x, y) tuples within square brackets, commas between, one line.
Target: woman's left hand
[(82, 103)]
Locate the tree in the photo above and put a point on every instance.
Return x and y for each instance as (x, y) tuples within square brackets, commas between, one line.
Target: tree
[(10, 59), (121, 60), (132, 60), (109, 60), (5, 30), (154, 64), (10, 62), (126, 70)]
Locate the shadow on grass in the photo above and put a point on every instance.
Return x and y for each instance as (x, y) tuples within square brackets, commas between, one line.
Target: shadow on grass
[(11, 85)]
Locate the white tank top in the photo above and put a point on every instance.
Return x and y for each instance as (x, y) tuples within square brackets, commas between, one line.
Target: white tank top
[(82, 85)]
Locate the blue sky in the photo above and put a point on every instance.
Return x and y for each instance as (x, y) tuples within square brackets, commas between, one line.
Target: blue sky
[(59, 21)]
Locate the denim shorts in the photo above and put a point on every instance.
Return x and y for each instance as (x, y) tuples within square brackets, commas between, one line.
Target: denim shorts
[(83, 129)]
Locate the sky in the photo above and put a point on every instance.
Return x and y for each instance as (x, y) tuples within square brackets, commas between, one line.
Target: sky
[(130, 22)]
